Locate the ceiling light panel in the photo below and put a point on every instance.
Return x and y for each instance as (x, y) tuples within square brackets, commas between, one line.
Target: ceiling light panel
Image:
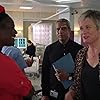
[(23, 7), (66, 1)]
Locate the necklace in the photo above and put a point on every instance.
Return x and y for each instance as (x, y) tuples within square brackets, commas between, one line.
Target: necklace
[(99, 66)]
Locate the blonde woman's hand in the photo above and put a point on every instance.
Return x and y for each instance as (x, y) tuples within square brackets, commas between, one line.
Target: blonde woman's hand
[(69, 95), (45, 98)]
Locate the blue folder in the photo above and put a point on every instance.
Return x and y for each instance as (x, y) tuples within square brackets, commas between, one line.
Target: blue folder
[(65, 63), (67, 83)]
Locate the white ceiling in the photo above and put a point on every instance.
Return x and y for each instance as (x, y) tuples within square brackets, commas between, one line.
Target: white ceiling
[(47, 5), (13, 5)]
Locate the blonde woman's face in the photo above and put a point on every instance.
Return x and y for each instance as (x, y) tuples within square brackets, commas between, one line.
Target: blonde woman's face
[(89, 31)]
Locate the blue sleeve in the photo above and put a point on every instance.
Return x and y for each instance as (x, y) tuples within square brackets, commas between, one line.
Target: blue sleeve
[(15, 54), (20, 60)]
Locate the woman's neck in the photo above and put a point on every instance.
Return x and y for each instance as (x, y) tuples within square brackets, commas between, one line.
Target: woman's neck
[(95, 47)]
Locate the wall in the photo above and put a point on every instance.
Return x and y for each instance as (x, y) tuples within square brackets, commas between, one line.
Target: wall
[(24, 19), (28, 23)]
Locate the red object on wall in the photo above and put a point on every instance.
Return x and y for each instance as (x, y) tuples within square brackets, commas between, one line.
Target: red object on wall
[(2, 9)]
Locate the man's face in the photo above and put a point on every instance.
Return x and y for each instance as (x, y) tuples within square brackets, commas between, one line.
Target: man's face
[(28, 44), (63, 33), (7, 32)]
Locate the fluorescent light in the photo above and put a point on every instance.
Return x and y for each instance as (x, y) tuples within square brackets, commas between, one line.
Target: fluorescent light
[(66, 0), (23, 7), (52, 16), (61, 0), (29, 0), (56, 14)]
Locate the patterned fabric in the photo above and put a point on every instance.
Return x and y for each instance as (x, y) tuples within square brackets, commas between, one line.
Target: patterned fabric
[(78, 69)]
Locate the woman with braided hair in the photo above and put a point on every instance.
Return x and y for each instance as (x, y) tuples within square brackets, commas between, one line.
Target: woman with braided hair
[(13, 82)]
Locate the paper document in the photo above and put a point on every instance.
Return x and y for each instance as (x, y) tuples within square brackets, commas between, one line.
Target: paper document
[(65, 63)]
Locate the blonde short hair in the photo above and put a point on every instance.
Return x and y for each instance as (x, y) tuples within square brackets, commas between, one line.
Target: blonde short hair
[(94, 15)]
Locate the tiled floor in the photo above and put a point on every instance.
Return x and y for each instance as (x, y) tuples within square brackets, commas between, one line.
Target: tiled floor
[(33, 73), (36, 80)]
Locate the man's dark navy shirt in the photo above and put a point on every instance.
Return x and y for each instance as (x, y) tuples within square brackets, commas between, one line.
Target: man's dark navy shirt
[(52, 53)]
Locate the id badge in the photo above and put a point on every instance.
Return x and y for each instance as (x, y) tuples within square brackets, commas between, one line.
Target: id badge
[(53, 93)]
